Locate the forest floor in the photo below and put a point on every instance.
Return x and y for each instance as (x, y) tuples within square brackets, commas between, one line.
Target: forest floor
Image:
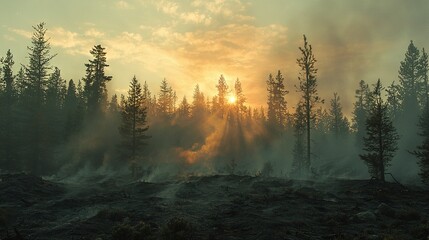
[(211, 207)]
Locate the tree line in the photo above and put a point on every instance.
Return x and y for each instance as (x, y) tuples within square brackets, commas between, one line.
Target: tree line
[(41, 113)]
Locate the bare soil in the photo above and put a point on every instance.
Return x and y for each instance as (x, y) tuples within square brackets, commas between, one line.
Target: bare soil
[(213, 207)]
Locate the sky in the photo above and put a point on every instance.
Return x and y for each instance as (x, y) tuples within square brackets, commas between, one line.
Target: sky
[(193, 42)]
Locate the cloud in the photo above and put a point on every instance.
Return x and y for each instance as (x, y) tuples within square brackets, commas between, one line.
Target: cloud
[(166, 7), (92, 32), (24, 33), (122, 5), (195, 17)]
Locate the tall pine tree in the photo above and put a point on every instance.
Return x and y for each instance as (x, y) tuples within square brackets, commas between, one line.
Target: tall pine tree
[(380, 142), (35, 147), (95, 89), (133, 128), (8, 127), (308, 88)]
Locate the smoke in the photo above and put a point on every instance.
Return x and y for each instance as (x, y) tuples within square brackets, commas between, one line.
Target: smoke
[(352, 40)]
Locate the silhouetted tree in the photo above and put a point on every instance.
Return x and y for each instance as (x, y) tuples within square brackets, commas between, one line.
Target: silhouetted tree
[(198, 104), (55, 94), (133, 127), (71, 104), (222, 91), (337, 123), (380, 143), (95, 81), (8, 126), (409, 76), (165, 100), (35, 149), (184, 108), (360, 111), (308, 88), (114, 105), (240, 98), (393, 102), (277, 109)]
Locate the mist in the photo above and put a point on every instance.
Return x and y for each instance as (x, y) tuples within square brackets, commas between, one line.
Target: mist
[(314, 124)]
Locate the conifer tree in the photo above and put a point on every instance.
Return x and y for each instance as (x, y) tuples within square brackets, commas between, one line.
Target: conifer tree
[(380, 142), (71, 104), (95, 89), (409, 76), (222, 91), (198, 104), (360, 111), (55, 94), (165, 100), (240, 98), (35, 148), (8, 126), (184, 108), (133, 128), (393, 101), (114, 105), (308, 88), (277, 109), (337, 123)]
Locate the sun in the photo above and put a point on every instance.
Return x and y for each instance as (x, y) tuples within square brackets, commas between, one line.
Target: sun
[(232, 99)]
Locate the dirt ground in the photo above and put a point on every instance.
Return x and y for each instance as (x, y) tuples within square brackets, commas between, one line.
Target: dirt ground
[(211, 207)]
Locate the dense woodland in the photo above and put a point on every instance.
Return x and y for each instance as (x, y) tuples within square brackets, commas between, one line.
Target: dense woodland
[(49, 125)]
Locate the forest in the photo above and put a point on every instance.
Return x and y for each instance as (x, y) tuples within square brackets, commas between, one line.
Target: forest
[(79, 163), (51, 126)]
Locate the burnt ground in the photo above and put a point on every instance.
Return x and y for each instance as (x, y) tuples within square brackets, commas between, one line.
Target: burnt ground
[(211, 207)]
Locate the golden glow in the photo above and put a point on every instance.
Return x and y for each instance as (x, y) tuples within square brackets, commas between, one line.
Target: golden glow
[(232, 99)]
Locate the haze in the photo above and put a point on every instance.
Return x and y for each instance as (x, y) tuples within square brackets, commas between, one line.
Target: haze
[(190, 42)]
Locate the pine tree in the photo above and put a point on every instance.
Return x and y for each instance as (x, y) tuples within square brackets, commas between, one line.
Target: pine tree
[(308, 88), (55, 94), (360, 111), (198, 104), (393, 102), (35, 149), (277, 108), (184, 108), (271, 88), (37, 71), (133, 127), (95, 89), (337, 123), (409, 76), (71, 104), (222, 91), (8, 126), (380, 143), (165, 100), (240, 98), (114, 105)]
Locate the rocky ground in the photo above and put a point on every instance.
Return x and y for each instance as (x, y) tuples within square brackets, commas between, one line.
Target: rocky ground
[(211, 207)]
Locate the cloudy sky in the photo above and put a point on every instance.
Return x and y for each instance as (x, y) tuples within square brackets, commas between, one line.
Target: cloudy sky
[(195, 41)]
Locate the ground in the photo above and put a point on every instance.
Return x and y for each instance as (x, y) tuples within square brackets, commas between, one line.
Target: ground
[(210, 207)]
